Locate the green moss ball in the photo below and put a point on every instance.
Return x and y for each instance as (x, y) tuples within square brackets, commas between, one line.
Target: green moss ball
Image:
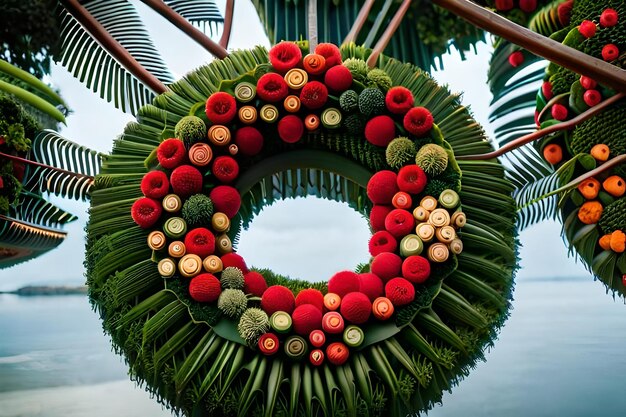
[(232, 277), (399, 152), (355, 124), (198, 210), (349, 101), (232, 303), (358, 68), (379, 78), (253, 323), (190, 129), (433, 159), (371, 102)]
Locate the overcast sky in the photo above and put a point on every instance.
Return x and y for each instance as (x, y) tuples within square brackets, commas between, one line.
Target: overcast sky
[(300, 238)]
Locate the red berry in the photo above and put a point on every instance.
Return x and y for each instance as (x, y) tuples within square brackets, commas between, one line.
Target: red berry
[(559, 112), (624, 280), (205, 288), (528, 6), (418, 121), (546, 90), (608, 18), (504, 5), (587, 28), (592, 97), (610, 52), (516, 59), (587, 83), (564, 10), (337, 353)]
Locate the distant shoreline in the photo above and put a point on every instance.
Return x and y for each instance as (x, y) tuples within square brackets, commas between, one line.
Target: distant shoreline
[(36, 290)]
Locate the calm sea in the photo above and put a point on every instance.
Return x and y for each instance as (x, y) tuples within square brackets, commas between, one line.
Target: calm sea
[(561, 353)]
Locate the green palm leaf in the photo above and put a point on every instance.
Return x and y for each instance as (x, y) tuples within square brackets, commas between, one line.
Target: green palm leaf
[(201, 13), (32, 208), (54, 150)]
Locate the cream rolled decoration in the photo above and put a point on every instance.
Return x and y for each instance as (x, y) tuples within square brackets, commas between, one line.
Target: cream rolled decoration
[(429, 203), (233, 149), (458, 219), (449, 199), (223, 244), (296, 78), (456, 246), (247, 115), (268, 113), (177, 249), (219, 135), (446, 234), (212, 264), (292, 104), (166, 268), (190, 265), (438, 252), (439, 218), (200, 154), (175, 227), (157, 240), (411, 245), (220, 222), (421, 214), (245, 92), (172, 203), (331, 118), (425, 231)]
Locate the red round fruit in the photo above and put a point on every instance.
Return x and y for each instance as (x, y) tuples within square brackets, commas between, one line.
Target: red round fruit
[(316, 357), (306, 318), (356, 307), (377, 217), (171, 153), (528, 6), (380, 130), (290, 129), (317, 338), (504, 5), (221, 108), (186, 180), (155, 184), (254, 284), (205, 288), (249, 141), (338, 78), (564, 11), (285, 56), (271, 87), (371, 285), (516, 59), (418, 121), (146, 212), (343, 282), (386, 265), (399, 100), (314, 95), (399, 223), (311, 296), (235, 260), (610, 52), (333, 323), (559, 112), (200, 241), (269, 344), (411, 179), (416, 269), (382, 186), (337, 353), (587, 82), (278, 298), (225, 169), (587, 28), (330, 52), (546, 90), (399, 291), (382, 241), (608, 18), (226, 199), (592, 97)]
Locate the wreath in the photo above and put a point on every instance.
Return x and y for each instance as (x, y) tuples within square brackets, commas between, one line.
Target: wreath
[(206, 333), (592, 211)]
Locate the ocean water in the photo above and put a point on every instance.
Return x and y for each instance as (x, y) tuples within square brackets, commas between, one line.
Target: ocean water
[(561, 353)]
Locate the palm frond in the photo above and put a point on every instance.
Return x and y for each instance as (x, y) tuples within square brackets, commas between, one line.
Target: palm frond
[(201, 13), (52, 149), (93, 65), (32, 208)]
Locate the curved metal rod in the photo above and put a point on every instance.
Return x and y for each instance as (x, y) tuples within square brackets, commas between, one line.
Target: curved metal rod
[(359, 22), (388, 33), (228, 23), (544, 132)]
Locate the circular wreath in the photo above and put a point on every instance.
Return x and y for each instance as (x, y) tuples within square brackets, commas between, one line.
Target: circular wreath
[(209, 335), (592, 212)]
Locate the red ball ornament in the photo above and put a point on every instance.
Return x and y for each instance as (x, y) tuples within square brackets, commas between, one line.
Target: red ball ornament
[(146, 212), (411, 179), (377, 217), (311, 296), (399, 223), (338, 78), (225, 169), (380, 130), (333, 323), (278, 298), (386, 265), (186, 180), (254, 284), (587, 28), (317, 338), (546, 90), (330, 52), (382, 241), (610, 52), (382, 186), (592, 97), (226, 199), (221, 108), (343, 282), (504, 5), (399, 100), (306, 318), (371, 285), (290, 128), (559, 112), (205, 288), (416, 269), (528, 6), (587, 82), (200, 241), (271, 87), (314, 95), (235, 260), (418, 121), (171, 153), (155, 184), (608, 18), (285, 56), (399, 291), (337, 353), (516, 59), (249, 141), (356, 307), (269, 344), (564, 11), (316, 357)]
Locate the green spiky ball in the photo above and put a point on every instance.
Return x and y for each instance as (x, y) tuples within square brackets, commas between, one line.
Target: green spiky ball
[(433, 159), (606, 128), (190, 129), (198, 210), (371, 102), (355, 124), (349, 101), (232, 277), (614, 217), (435, 188), (379, 77), (399, 152), (358, 68), (253, 323), (232, 302)]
